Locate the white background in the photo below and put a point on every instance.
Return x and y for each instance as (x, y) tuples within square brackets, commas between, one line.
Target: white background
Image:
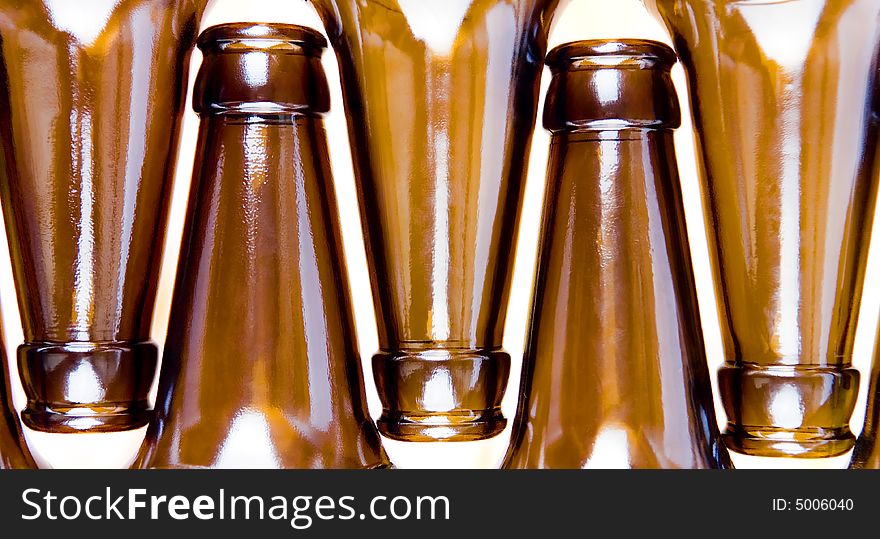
[(582, 19)]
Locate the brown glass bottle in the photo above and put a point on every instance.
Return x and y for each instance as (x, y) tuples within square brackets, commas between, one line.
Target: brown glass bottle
[(441, 99), (14, 452), (615, 372), (261, 367), (781, 94), (90, 109)]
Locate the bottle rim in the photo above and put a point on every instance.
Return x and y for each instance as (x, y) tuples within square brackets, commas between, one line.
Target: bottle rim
[(260, 36)]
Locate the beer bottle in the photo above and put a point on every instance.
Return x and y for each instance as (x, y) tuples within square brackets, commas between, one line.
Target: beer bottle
[(441, 99), (91, 101), (261, 367), (866, 454), (615, 371), (781, 94)]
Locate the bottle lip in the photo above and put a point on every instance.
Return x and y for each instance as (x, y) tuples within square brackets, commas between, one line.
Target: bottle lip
[(243, 36), (606, 52)]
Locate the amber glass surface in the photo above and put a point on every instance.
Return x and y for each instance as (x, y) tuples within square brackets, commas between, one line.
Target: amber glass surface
[(261, 367), (441, 100), (615, 370), (781, 94), (867, 453), (90, 108), (13, 450)]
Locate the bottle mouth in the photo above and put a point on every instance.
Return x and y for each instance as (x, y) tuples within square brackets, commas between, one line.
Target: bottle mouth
[(244, 37), (589, 54)]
